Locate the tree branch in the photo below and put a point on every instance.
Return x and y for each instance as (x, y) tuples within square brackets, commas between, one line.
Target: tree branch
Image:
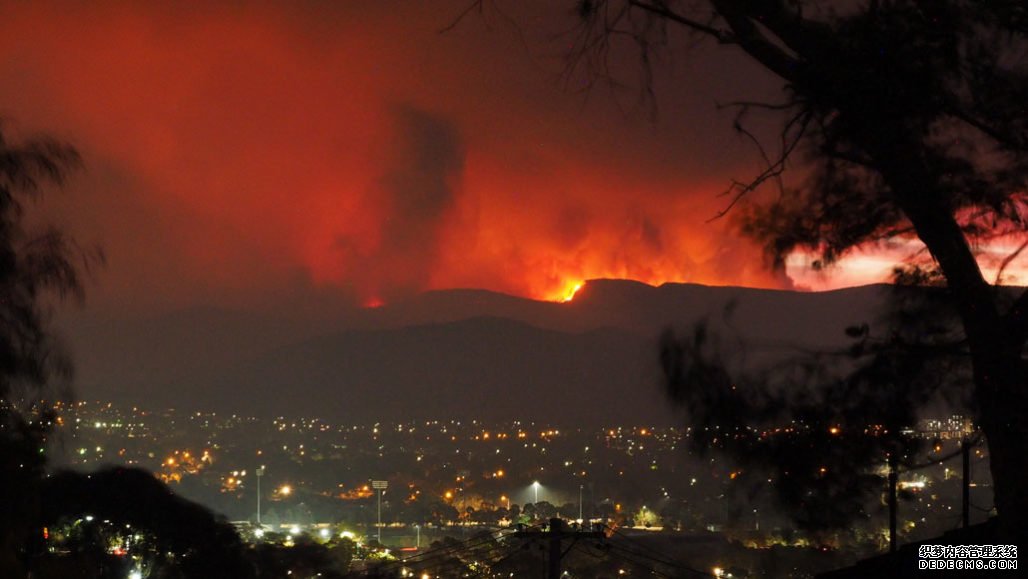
[(973, 441), (804, 37), (1007, 260), (998, 135), (722, 36), (472, 7), (748, 36), (774, 168), (1017, 319)]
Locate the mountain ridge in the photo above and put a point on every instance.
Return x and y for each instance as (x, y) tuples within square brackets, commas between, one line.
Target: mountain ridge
[(484, 344)]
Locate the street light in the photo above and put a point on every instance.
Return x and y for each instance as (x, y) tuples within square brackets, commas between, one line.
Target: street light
[(260, 473), (379, 485), (535, 487)]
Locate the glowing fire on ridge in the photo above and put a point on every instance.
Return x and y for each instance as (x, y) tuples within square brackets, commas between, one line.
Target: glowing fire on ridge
[(570, 290)]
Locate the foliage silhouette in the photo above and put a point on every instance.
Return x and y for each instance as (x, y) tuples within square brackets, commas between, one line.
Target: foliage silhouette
[(908, 121), (818, 429), (33, 367), (200, 544), (35, 373)]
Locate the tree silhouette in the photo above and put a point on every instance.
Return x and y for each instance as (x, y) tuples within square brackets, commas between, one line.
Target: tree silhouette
[(33, 266), (811, 428), (910, 116), (35, 373), (201, 545), (907, 118)]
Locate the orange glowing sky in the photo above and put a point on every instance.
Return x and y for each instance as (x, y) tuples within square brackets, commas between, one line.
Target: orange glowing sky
[(312, 150)]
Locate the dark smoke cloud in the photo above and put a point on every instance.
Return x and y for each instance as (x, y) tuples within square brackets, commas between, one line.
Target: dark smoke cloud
[(416, 196), (242, 154)]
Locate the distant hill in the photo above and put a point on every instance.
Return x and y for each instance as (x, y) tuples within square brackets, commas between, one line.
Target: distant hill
[(450, 353), (486, 368)]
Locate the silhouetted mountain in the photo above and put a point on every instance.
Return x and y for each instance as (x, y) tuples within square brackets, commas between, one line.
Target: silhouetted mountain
[(440, 306), (487, 368), (467, 353), (131, 359)]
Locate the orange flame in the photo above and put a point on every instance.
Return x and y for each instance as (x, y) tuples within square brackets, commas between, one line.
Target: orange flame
[(570, 289)]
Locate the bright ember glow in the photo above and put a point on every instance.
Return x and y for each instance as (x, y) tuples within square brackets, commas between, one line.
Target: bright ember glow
[(374, 302), (569, 294)]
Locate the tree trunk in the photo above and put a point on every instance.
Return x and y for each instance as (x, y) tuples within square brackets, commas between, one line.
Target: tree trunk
[(1000, 384), (995, 341)]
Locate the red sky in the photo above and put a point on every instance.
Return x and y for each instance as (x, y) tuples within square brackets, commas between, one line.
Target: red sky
[(323, 150)]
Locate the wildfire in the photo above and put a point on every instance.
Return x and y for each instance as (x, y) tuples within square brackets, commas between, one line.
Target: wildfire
[(570, 290)]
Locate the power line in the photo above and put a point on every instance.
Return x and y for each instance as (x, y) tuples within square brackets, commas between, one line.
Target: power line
[(631, 561), (503, 559), (665, 563), (443, 551), (555, 535), (665, 558)]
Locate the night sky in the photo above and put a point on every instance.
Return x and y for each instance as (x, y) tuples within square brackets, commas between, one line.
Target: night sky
[(342, 152)]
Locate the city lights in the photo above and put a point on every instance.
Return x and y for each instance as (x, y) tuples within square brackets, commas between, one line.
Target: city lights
[(475, 486)]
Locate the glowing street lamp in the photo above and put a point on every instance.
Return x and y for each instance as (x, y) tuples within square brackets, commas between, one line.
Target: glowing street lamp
[(535, 487), (379, 485), (260, 473)]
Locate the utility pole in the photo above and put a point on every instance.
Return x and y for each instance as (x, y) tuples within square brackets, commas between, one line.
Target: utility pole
[(580, 487), (893, 480), (379, 485), (260, 473), (556, 535), (965, 483), (556, 552)]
